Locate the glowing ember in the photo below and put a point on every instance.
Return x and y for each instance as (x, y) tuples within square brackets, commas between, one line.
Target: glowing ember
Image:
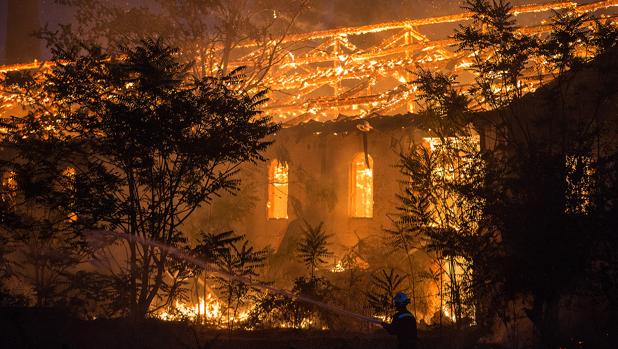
[(338, 268), (446, 311), (207, 311)]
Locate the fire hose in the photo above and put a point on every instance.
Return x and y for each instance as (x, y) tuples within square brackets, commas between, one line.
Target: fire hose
[(173, 251)]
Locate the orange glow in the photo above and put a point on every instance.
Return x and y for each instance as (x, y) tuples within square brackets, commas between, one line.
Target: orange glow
[(363, 75), (277, 190), (70, 173), (9, 186), (208, 310), (361, 186), (579, 183), (455, 278)]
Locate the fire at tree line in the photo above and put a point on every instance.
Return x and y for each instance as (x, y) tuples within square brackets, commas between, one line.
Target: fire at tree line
[(493, 207)]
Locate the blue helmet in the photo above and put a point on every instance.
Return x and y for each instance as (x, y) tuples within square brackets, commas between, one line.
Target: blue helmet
[(401, 299)]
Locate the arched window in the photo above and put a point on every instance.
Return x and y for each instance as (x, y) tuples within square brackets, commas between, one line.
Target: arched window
[(361, 186), (277, 190)]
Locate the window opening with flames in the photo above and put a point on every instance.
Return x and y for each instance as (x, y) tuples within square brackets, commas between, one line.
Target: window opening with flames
[(278, 190), (361, 186)]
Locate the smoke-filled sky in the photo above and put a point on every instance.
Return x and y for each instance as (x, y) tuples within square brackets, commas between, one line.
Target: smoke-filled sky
[(322, 14), (325, 14)]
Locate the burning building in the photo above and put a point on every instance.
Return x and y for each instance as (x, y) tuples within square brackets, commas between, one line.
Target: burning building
[(346, 98)]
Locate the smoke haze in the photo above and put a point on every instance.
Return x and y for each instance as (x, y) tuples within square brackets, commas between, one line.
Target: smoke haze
[(321, 14)]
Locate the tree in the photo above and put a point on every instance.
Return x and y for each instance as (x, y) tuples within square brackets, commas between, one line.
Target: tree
[(603, 269), (239, 261), (604, 36), (499, 54), (312, 248), (7, 298), (149, 144), (46, 243), (541, 155), (434, 212), (382, 289), (206, 31), (568, 36)]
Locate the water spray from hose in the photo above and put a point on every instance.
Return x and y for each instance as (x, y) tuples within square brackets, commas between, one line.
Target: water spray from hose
[(173, 251)]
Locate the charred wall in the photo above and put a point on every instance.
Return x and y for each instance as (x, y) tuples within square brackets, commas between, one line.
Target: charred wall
[(319, 159)]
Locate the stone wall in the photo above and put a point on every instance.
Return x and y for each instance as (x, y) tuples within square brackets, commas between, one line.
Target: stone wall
[(319, 158)]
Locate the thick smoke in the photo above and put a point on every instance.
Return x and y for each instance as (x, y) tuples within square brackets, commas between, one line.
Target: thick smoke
[(327, 14)]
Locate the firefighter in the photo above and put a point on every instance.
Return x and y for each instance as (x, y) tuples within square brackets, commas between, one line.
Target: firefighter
[(403, 323)]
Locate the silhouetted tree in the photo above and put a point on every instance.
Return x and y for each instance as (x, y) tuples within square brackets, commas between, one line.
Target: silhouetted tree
[(541, 159), (312, 248), (434, 211), (206, 31), (239, 261), (382, 288), (568, 37), (149, 144), (499, 54), (38, 223)]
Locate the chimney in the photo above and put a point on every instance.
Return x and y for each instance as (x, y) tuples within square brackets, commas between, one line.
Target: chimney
[(21, 22)]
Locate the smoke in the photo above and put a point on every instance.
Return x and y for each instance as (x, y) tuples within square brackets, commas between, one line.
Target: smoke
[(326, 14), (3, 19)]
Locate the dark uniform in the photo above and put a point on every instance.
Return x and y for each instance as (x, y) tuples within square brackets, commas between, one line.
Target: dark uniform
[(403, 325)]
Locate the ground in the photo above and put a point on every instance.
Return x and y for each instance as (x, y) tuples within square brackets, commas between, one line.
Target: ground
[(30, 328)]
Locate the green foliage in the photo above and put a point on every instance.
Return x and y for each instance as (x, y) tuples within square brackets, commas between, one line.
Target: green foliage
[(7, 298), (510, 213), (240, 262), (211, 246), (312, 248), (443, 106), (272, 310), (45, 244)]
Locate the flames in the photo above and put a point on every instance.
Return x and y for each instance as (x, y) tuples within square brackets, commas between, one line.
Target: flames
[(355, 73), (211, 311), (277, 204), (361, 198), (446, 311), (205, 311), (338, 267)]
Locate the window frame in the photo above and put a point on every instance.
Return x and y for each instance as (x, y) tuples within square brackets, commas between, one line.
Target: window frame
[(353, 209), (272, 202)]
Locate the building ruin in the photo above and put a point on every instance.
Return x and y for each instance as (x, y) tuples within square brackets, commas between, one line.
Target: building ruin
[(347, 105)]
